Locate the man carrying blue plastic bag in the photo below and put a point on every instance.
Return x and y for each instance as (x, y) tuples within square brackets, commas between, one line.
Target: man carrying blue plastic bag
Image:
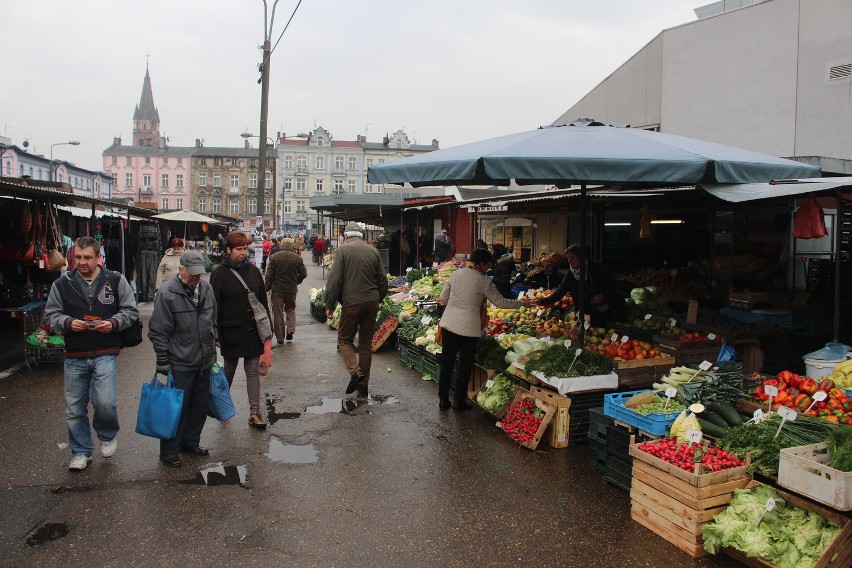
[(183, 332)]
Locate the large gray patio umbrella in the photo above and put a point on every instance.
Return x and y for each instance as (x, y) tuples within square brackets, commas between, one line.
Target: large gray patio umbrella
[(187, 217), (588, 152)]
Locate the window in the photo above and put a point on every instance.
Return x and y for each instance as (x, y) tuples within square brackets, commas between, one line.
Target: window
[(165, 203), (338, 186), (369, 162), (267, 207), (235, 181), (202, 161), (147, 160), (320, 162), (288, 184), (252, 206), (252, 163), (300, 186), (179, 203), (180, 161), (268, 181), (114, 161), (179, 181), (217, 205), (369, 188), (253, 181), (234, 207), (287, 207), (319, 142), (288, 162), (164, 180), (202, 180), (338, 162), (381, 160), (146, 181), (128, 180), (319, 185), (351, 188), (128, 161), (202, 204), (217, 161), (166, 162), (302, 163), (300, 206), (217, 180), (351, 163)]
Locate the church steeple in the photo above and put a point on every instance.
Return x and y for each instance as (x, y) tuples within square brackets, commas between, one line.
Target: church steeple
[(146, 119)]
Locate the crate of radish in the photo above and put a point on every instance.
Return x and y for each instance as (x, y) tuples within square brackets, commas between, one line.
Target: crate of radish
[(697, 464), (527, 418)]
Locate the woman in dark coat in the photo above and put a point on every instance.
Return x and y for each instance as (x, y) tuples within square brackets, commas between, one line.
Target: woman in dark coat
[(504, 267), (237, 332)]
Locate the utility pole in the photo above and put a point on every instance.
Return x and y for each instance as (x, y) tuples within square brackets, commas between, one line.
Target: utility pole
[(264, 111)]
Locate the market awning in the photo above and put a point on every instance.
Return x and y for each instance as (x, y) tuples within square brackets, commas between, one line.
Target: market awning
[(51, 192), (740, 192)]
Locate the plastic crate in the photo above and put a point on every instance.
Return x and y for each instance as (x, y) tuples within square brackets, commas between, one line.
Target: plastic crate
[(774, 318), (318, 313), (598, 422), (657, 424), (618, 472), (597, 455), (579, 418), (802, 469), (618, 440)]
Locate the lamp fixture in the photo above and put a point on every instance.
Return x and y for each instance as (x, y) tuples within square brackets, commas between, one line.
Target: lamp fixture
[(617, 224), (667, 222)]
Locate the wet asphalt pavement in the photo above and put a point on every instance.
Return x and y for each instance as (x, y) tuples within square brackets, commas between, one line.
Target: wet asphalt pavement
[(392, 482)]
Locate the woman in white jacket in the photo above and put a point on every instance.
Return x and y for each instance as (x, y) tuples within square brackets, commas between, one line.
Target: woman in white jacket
[(461, 326)]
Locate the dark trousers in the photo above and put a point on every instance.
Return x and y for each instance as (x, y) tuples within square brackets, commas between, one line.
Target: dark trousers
[(146, 275), (196, 398), (454, 344), (360, 319)]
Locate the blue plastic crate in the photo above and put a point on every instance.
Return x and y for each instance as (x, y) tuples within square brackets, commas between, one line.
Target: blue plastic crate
[(657, 424), (848, 392)]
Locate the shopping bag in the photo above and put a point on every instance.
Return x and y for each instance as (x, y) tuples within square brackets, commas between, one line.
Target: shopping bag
[(266, 358), (809, 221), (159, 409), (221, 405)]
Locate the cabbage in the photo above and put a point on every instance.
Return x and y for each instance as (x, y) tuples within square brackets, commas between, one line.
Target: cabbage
[(639, 294)]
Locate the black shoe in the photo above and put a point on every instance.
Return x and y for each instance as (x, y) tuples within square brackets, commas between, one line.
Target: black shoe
[(172, 460), (354, 381), (289, 336), (461, 405), (195, 450), (363, 391), (444, 404)]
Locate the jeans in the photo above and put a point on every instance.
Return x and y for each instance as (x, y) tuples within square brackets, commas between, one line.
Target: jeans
[(90, 380), (196, 398), (251, 365), (360, 319), (454, 344)]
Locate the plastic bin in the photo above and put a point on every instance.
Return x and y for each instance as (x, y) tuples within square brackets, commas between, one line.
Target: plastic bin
[(657, 424), (802, 469), (597, 455), (598, 423), (819, 368)]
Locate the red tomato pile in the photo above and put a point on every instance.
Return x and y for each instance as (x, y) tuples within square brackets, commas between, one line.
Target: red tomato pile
[(685, 456), (693, 336), (523, 420)]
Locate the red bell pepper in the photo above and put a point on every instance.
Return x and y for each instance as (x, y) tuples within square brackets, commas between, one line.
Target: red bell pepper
[(826, 385), (809, 386)]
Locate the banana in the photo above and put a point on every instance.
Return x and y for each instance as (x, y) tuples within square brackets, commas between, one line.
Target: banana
[(844, 367)]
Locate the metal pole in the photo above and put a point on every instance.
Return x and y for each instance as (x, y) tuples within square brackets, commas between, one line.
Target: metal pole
[(581, 300), (837, 267), (264, 111)]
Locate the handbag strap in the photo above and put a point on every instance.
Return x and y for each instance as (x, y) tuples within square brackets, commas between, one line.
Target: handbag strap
[(240, 278)]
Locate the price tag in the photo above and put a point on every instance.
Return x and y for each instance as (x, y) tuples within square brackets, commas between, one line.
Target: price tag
[(521, 295), (770, 504), (586, 325), (539, 313), (787, 415), (819, 396), (41, 263), (576, 355), (567, 343), (624, 339), (693, 436), (501, 336), (425, 320), (705, 365), (578, 352), (614, 337), (409, 269), (648, 316), (531, 293), (672, 322), (671, 392), (771, 390), (711, 336), (674, 271), (434, 265), (758, 416), (489, 383)]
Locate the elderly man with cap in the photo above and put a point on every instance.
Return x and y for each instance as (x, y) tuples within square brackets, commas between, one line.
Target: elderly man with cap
[(443, 246), (358, 281), (285, 270), (183, 332)]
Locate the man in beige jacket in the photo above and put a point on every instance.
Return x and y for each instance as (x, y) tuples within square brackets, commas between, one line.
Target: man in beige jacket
[(358, 282), (285, 270)]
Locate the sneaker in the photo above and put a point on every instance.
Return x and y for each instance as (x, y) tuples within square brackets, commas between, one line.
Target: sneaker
[(108, 447), (289, 336), (256, 419), (79, 462)]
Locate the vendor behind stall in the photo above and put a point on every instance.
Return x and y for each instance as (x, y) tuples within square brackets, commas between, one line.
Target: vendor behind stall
[(504, 267), (603, 304)]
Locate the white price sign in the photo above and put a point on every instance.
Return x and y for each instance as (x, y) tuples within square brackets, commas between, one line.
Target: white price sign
[(624, 339), (771, 390), (501, 336), (672, 322), (693, 436), (489, 383), (671, 392), (614, 337), (705, 365), (759, 416), (711, 336), (648, 316), (586, 325), (540, 313), (819, 396), (425, 320), (787, 415), (567, 343)]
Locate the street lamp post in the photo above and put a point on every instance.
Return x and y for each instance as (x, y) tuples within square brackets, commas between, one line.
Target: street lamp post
[(52, 170), (247, 135)]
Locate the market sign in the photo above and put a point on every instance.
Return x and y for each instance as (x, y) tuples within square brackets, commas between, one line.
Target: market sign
[(489, 208)]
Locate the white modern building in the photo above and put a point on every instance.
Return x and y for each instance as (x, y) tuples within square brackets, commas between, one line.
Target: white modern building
[(773, 76)]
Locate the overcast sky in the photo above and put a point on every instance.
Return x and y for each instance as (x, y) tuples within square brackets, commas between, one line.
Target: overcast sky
[(454, 70)]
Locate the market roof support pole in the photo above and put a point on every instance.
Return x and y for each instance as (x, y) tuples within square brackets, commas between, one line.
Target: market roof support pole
[(837, 225), (417, 238), (581, 300)]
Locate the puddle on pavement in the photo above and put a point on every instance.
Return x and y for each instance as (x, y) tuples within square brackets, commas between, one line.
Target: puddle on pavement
[(346, 405), (272, 414), (291, 453), (218, 474), (46, 533), (376, 399)]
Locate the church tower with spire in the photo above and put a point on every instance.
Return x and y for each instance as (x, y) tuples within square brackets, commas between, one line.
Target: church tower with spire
[(146, 119)]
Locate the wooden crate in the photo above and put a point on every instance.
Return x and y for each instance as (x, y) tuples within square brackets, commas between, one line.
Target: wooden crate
[(674, 503), (841, 545), (556, 434), (380, 340), (545, 407), (478, 376), (642, 374), (686, 352)]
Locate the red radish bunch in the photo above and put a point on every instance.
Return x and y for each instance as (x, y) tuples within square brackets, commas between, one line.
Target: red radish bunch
[(523, 420), (685, 456), (388, 324)]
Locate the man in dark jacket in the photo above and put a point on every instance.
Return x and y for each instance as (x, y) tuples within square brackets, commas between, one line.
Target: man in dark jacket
[(504, 267), (358, 281), (443, 246), (87, 307), (183, 332), (285, 270)]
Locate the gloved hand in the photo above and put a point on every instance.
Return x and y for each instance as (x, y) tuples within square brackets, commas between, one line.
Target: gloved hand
[(163, 368)]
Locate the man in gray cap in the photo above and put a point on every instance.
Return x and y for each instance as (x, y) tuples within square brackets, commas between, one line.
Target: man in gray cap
[(358, 281), (183, 332)]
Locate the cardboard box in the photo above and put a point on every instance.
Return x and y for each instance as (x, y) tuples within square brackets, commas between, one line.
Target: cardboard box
[(556, 434)]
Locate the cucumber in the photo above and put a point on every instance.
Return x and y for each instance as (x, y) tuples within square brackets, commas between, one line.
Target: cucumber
[(728, 413), (716, 419), (711, 429)]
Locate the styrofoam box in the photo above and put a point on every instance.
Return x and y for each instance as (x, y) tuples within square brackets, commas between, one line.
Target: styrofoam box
[(802, 469)]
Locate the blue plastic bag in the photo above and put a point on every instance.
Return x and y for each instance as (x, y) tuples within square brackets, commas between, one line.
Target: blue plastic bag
[(159, 409), (726, 353), (831, 352), (221, 405)]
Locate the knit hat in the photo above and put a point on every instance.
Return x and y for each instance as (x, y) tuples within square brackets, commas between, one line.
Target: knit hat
[(353, 230)]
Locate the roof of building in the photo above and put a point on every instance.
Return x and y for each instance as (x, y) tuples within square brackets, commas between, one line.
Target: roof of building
[(120, 150), (411, 148), (146, 110)]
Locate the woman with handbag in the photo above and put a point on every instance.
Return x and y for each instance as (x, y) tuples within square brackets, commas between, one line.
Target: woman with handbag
[(461, 325), (233, 281), (168, 266)]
